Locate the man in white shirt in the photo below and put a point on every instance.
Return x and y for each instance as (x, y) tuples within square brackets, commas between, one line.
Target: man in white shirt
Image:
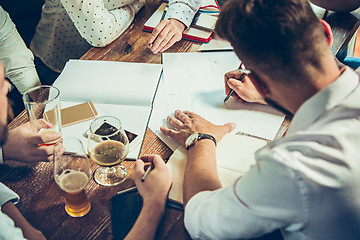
[(308, 183)]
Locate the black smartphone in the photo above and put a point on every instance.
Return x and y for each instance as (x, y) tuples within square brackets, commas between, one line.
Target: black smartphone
[(125, 209)]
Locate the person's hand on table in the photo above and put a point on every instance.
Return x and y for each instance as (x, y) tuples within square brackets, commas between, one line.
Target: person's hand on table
[(165, 34), (187, 123), (23, 144), (245, 89), (157, 184)]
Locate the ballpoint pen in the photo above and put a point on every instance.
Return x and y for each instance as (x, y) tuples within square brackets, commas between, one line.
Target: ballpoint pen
[(147, 172), (244, 73)]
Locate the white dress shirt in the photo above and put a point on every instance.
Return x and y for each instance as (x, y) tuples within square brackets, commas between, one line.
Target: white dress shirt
[(307, 184), (8, 229), (69, 28), (17, 59)]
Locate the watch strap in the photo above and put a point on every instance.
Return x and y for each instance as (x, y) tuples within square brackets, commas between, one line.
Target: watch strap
[(203, 136)]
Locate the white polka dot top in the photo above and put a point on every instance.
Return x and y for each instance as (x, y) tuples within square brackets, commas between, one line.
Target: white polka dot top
[(69, 28)]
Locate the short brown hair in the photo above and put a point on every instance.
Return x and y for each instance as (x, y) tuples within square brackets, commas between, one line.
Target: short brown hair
[(275, 36)]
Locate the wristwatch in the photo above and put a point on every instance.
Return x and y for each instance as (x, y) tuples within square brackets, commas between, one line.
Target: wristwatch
[(193, 138)]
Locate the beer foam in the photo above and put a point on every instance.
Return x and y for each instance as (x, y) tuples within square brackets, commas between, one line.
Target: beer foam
[(72, 180)]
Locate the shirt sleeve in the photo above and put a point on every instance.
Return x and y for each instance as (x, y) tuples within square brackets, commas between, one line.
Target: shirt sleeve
[(7, 195), (263, 200), (1, 156), (18, 60), (183, 10), (98, 25), (8, 229)]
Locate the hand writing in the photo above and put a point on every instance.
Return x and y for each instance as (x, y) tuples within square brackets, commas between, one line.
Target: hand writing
[(245, 89), (157, 184)]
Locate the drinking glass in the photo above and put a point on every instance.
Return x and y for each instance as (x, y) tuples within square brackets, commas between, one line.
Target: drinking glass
[(72, 173), (43, 102), (108, 146)]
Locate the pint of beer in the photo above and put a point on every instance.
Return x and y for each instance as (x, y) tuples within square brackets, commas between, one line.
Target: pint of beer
[(72, 173)]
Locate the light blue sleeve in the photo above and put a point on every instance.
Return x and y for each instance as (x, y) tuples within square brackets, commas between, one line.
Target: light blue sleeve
[(17, 59), (6, 194), (8, 229)]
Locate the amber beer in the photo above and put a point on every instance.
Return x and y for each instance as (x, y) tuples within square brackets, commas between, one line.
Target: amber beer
[(73, 183), (109, 153)]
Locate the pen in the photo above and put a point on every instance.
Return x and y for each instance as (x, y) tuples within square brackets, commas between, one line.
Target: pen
[(146, 173), (244, 73), (132, 189), (127, 49), (164, 13)]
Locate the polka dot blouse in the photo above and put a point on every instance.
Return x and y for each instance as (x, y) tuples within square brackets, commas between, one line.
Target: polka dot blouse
[(183, 10), (69, 28)]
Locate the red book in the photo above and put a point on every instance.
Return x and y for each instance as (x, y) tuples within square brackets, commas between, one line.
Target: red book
[(192, 34)]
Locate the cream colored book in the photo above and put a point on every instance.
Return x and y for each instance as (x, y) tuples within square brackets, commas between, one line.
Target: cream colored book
[(234, 155)]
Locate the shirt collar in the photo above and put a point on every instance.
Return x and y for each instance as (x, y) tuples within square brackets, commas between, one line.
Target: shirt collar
[(326, 99)]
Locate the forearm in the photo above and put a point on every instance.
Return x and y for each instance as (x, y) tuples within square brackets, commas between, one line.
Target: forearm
[(147, 223), (201, 172), (98, 25), (11, 210), (16, 57), (336, 5)]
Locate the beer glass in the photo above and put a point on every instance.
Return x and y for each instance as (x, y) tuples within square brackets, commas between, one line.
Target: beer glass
[(108, 146), (43, 102), (72, 173)]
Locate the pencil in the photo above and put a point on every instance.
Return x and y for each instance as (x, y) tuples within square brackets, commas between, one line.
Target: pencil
[(232, 90), (146, 173), (164, 13)]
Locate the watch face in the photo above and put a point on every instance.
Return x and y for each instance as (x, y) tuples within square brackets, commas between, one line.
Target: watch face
[(191, 139)]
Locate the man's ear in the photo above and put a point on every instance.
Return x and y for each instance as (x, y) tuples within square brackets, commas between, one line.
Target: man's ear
[(328, 32)]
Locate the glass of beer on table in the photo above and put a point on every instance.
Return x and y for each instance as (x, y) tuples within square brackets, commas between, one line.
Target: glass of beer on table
[(42, 104), (72, 172), (108, 146)]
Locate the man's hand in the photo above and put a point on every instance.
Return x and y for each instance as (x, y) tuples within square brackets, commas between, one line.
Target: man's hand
[(187, 123), (23, 144), (245, 89), (166, 33), (157, 184)]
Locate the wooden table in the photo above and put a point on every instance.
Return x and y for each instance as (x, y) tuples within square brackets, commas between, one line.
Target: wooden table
[(42, 201)]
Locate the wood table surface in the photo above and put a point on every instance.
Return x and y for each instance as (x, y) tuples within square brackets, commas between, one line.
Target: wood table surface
[(42, 201)]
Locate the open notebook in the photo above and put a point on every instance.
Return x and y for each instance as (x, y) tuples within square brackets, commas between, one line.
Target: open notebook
[(195, 82), (123, 90), (234, 155)]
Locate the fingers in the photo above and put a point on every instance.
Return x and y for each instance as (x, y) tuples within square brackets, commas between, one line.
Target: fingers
[(47, 136), (42, 123), (156, 32), (155, 159), (229, 126), (165, 35), (139, 168), (169, 132)]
